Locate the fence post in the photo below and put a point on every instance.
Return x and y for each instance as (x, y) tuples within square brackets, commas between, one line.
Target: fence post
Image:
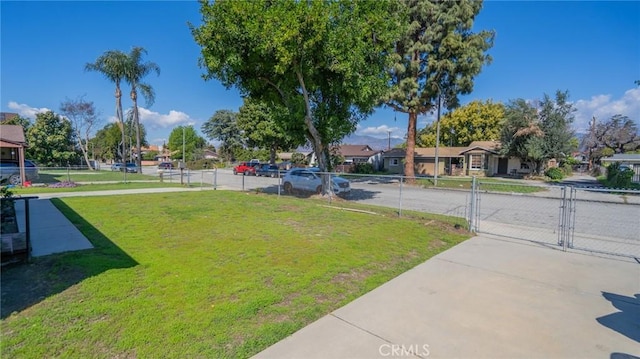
[(243, 176), (562, 231), (400, 204), (572, 218), (201, 179), (215, 178), (472, 207)]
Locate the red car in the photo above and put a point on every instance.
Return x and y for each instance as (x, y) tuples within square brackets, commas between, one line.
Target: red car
[(246, 168)]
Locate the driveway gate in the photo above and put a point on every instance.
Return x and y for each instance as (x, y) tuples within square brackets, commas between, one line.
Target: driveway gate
[(595, 220)]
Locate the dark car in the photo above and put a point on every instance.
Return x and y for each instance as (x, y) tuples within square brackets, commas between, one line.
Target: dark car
[(268, 170), (165, 166), (130, 168), (116, 166)]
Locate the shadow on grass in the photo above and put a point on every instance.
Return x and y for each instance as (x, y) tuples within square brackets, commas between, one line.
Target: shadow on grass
[(27, 284)]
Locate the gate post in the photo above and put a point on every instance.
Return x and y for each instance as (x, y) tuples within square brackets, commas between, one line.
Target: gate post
[(473, 226)]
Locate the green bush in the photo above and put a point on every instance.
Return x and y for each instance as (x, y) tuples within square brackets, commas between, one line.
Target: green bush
[(617, 177), (555, 173), (202, 164), (363, 168)]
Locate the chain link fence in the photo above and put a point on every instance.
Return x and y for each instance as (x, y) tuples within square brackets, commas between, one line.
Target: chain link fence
[(590, 219)]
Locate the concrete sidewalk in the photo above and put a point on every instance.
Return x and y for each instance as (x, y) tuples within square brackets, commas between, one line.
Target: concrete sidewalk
[(51, 231), (487, 298)]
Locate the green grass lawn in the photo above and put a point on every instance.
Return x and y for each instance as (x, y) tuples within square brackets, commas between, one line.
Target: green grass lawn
[(211, 274), (26, 191), (53, 176), (486, 184)]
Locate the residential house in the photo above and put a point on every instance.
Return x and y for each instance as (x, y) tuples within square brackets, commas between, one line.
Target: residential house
[(354, 154), (12, 145), (480, 158)]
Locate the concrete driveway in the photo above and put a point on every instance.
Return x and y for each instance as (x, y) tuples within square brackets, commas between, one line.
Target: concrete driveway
[(487, 298)]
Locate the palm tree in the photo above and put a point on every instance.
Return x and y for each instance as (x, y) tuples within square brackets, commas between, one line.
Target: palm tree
[(112, 65), (135, 71)]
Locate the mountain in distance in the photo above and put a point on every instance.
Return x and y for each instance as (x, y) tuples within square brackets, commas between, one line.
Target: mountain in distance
[(378, 144)]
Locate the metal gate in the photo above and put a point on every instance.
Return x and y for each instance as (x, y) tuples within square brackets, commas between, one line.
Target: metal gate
[(588, 219)]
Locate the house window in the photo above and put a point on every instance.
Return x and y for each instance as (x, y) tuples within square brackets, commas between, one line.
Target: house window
[(476, 162), (394, 162)]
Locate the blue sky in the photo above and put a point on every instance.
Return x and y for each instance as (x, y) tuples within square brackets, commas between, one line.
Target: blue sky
[(591, 49)]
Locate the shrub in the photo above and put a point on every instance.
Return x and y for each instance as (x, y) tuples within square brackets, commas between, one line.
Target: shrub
[(5, 192), (617, 177), (555, 173), (63, 184), (363, 168)]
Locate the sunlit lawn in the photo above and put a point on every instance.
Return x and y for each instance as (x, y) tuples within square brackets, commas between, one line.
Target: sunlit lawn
[(486, 184), (209, 274), (53, 176)]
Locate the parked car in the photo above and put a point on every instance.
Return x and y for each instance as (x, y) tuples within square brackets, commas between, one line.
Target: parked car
[(116, 166), (268, 170), (246, 168), (10, 171), (310, 180), (165, 166), (130, 168)]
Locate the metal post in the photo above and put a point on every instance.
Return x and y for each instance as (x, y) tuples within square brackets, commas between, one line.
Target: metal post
[(183, 159), (243, 176), (279, 183), (436, 167), (215, 178), (68, 176), (201, 179), (27, 222), (472, 226), (400, 204), (188, 178)]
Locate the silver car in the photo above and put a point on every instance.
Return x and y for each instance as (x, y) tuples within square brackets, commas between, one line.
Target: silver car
[(310, 180), (10, 171)]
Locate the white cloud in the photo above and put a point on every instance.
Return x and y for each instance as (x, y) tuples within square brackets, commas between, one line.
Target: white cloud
[(603, 107), (158, 120), (25, 110), (380, 131)]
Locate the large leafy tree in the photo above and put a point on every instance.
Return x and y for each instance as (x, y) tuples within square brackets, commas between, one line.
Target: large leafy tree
[(185, 137), (113, 64), (521, 135), (51, 140), (437, 57), (475, 121), (223, 127), (323, 60), (83, 117), (106, 141), (556, 119), (262, 127), (135, 71), (619, 134), (536, 132)]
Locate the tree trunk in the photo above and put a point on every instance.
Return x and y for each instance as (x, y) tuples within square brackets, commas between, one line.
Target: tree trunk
[(409, 168), (134, 98), (123, 155), (272, 154), (315, 138), (85, 150)]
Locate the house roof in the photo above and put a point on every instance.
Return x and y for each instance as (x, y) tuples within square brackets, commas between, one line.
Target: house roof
[(442, 151), (12, 135), (356, 151), (483, 146), (623, 157), (6, 116), (429, 152)]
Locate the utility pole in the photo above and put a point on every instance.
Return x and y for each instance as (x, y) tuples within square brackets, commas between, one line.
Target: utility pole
[(435, 176), (389, 145)]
